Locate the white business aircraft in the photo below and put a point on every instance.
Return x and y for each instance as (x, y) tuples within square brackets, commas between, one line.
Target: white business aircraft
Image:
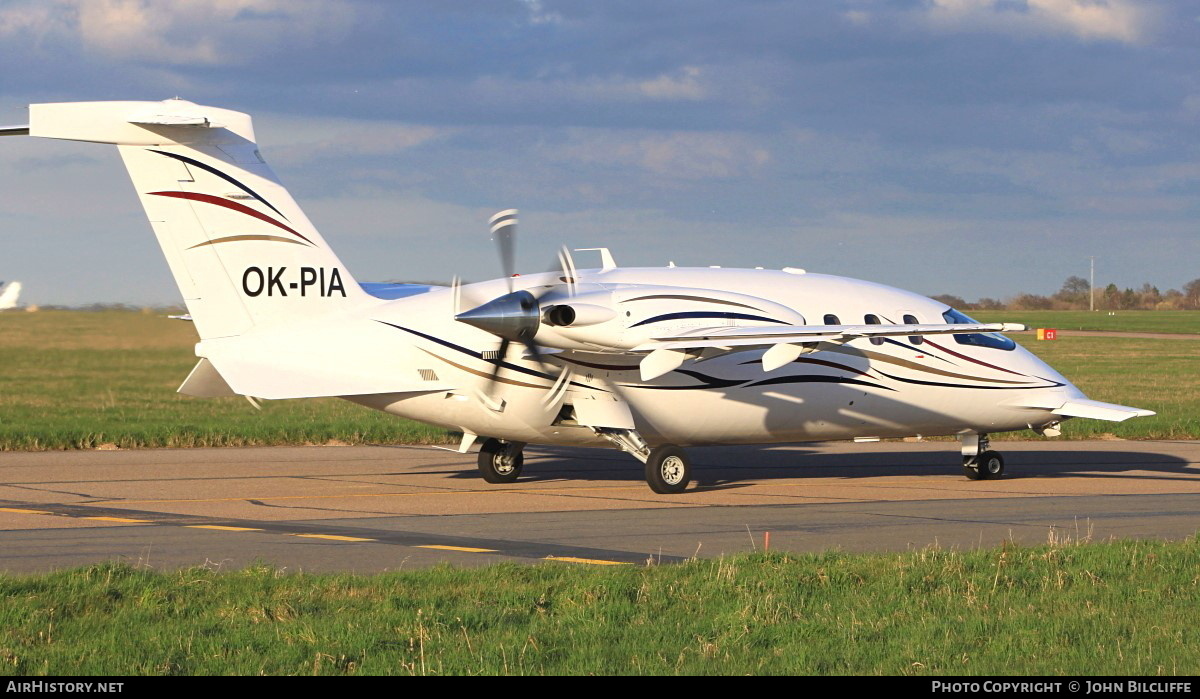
[(648, 360), (8, 295)]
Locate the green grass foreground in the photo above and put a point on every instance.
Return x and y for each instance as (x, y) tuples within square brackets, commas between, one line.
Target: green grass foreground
[(81, 380), (1124, 607)]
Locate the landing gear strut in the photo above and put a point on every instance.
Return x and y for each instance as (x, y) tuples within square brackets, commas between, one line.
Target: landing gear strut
[(668, 468), (501, 462), (980, 462)]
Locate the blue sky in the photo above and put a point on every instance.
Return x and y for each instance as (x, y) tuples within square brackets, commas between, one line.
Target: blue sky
[(972, 147)]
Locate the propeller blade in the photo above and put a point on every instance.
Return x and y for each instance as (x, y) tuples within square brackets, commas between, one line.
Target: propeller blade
[(567, 263), (504, 232), (515, 316), (534, 353), (497, 362)]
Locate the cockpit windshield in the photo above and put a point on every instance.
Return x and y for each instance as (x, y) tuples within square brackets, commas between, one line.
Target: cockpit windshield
[(993, 340)]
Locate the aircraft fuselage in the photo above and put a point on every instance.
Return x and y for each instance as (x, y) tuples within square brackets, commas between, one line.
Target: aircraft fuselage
[(893, 387)]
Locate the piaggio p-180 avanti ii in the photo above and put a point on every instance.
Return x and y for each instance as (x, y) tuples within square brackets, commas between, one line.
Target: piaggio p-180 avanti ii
[(647, 360)]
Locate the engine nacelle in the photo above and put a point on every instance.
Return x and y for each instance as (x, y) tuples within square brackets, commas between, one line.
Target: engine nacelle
[(608, 321), (601, 320), (575, 315)]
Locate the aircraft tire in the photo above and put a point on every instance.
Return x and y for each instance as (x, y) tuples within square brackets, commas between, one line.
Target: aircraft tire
[(499, 462), (991, 465), (985, 466), (668, 470)]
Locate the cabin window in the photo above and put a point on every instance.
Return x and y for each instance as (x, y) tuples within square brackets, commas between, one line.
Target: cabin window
[(873, 319), (993, 340), (910, 319), (831, 319)]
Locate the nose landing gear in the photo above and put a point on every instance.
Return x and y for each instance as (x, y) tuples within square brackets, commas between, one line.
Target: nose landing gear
[(980, 462)]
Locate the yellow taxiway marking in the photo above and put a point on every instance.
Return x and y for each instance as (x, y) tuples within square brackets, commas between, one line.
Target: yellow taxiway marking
[(468, 549), (220, 528), (839, 482), (590, 561), (498, 491), (24, 512), (332, 537), (119, 519)]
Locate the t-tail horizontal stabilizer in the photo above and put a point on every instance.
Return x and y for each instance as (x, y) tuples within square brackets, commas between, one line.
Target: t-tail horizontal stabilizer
[(244, 255)]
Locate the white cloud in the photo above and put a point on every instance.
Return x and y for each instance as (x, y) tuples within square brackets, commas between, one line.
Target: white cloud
[(857, 17), (297, 140), (37, 19), (174, 32), (538, 14), (1113, 20), (686, 155), (687, 84), (684, 85)]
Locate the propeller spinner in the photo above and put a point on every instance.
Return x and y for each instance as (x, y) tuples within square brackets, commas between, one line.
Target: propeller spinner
[(515, 316)]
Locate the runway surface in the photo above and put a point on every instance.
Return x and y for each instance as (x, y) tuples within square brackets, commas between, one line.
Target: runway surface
[(391, 508)]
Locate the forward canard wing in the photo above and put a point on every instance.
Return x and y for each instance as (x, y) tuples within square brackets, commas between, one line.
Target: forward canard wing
[(786, 342), (1094, 409)]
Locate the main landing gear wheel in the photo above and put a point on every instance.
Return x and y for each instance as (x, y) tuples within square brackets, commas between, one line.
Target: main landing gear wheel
[(985, 466), (668, 470), (500, 462)]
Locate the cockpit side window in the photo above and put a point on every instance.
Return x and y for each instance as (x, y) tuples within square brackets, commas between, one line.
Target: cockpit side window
[(993, 340)]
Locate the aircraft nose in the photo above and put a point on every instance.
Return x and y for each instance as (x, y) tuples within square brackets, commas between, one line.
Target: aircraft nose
[(1036, 367)]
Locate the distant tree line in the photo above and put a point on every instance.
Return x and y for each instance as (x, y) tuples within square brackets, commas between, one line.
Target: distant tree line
[(97, 307), (1073, 296)]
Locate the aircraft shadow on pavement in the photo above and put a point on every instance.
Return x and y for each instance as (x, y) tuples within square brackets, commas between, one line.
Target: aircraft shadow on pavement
[(731, 465)]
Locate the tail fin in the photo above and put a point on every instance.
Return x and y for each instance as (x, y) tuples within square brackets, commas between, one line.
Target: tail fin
[(8, 297), (239, 247)]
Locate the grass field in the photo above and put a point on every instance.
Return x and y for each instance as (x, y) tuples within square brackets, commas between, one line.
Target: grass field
[(1161, 375), (76, 380), (79, 380), (1121, 321), (1123, 608)]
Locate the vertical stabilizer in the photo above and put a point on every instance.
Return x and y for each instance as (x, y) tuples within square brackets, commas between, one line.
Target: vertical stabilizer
[(8, 295), (238, 245)]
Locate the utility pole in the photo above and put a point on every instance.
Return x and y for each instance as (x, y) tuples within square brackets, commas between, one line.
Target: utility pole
[(1092, 285)]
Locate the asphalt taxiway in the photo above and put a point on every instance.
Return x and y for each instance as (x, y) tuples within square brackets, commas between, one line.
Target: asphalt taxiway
[(390, 508)]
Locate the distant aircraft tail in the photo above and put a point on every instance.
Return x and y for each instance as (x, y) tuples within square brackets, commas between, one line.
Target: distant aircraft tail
[(9, 294), (239, 247)]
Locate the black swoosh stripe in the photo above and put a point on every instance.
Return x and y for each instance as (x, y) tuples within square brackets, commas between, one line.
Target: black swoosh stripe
[(918, 350), (218, 173), (479, 356), (816, 378), (1053, 384), (822, 362), (707, 314), (681, 297), (709, 382)]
